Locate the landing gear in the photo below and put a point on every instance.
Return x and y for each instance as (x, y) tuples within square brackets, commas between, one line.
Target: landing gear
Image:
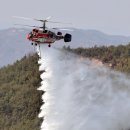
[(49, 45), (34, 44)]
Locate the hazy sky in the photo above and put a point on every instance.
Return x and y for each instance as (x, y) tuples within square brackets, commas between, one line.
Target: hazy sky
[(109, 16)]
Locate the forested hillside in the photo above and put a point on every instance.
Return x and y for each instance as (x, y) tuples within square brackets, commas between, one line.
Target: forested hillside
[(115, 57), (20, 100)]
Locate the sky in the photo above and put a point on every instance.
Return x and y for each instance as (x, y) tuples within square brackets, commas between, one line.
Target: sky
[(109, 16)]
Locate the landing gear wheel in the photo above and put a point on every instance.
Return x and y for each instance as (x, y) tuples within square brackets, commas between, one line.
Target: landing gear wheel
[(31, 43), (49, 45), (35, 44)]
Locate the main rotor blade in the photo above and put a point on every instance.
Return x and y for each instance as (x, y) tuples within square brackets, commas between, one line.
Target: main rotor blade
[(67, 29), (28, 25), (64, 29), (58, 22), (23, 18), (41, 20), (48, 18)]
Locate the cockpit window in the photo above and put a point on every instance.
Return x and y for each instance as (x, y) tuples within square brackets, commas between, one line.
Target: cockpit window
[(36, 31)]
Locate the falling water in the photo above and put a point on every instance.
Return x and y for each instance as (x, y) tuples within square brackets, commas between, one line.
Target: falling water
[(80, 95)]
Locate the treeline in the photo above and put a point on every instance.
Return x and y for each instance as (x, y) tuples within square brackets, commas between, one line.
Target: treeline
[(20, 100), (117, 57)]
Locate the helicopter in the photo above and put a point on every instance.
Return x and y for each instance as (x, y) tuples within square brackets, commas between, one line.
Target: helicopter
[(45, 35)]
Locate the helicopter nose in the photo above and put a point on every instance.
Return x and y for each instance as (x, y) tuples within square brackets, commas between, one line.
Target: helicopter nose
[(28, 36)]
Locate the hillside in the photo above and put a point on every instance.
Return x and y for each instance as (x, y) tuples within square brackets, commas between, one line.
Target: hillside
[(19, 99), (116, 57)]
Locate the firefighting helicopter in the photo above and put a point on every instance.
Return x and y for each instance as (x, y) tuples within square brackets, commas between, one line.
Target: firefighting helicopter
[(45, 35)]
